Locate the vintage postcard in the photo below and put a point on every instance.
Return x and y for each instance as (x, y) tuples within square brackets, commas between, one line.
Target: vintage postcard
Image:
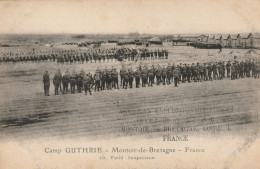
[(138, 84)]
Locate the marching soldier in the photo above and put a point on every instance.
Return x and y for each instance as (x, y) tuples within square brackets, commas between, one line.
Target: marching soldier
[(46, 83)]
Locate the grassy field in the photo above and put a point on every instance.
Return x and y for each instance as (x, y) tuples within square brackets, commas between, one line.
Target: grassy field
[(232, 107)]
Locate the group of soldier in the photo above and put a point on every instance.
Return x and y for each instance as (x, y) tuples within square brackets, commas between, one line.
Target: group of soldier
[(108, 79), (91, 55)]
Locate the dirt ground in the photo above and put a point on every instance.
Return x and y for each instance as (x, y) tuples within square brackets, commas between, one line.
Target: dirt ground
[(219, 107)]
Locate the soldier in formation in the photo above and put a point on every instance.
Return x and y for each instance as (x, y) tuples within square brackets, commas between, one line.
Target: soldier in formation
[(108, 78)]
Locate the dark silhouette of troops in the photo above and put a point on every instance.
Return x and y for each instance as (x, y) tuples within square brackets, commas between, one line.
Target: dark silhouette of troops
[(46, 83), (72, 82), (158, 74), (65, 82), (228, 67), (87, 83), (115, 78), (56, 83), (137, 77), (131, 77)]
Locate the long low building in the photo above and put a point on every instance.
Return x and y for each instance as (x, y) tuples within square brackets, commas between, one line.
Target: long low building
[(229, 41)]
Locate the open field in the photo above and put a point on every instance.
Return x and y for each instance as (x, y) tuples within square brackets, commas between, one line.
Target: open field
[(25, 112)]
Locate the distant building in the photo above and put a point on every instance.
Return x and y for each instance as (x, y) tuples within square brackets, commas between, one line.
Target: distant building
[(188, 38), (231, 41), (203, 38)]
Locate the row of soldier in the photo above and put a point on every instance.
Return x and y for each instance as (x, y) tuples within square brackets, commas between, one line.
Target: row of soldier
[(107, 79), (87, 55)]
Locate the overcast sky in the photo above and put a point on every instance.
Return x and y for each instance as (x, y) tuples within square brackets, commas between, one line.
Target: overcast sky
[(143, 16)]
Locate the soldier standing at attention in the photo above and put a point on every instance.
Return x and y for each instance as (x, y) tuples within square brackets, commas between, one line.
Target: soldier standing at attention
[(46, 83), (169, 73), (72, 82), (228, 66), (109, 79), (164, 74), (188, 72), (176, 73), (65, 82), (158, 73), (131, 77), (125, 79), (122, 70), (87, 84), (115, 78), (137, 77), (56, 82), (97, 80), (103, 75), (150, 76), (60, 76)]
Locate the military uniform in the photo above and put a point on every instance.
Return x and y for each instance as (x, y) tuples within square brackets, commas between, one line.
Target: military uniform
[(72, 82), (65, 82), (131, 77), (144, 77), (137, 77), (176, 74), (46, 83), (115, 79), (87, 84), (97, 80), (228, 67), (56, 82)]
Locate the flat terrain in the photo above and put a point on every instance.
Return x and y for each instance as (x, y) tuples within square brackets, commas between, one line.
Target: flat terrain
[(231, 106)]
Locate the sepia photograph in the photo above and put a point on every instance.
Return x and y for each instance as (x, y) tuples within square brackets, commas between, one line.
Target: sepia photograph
[(135, 84)]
